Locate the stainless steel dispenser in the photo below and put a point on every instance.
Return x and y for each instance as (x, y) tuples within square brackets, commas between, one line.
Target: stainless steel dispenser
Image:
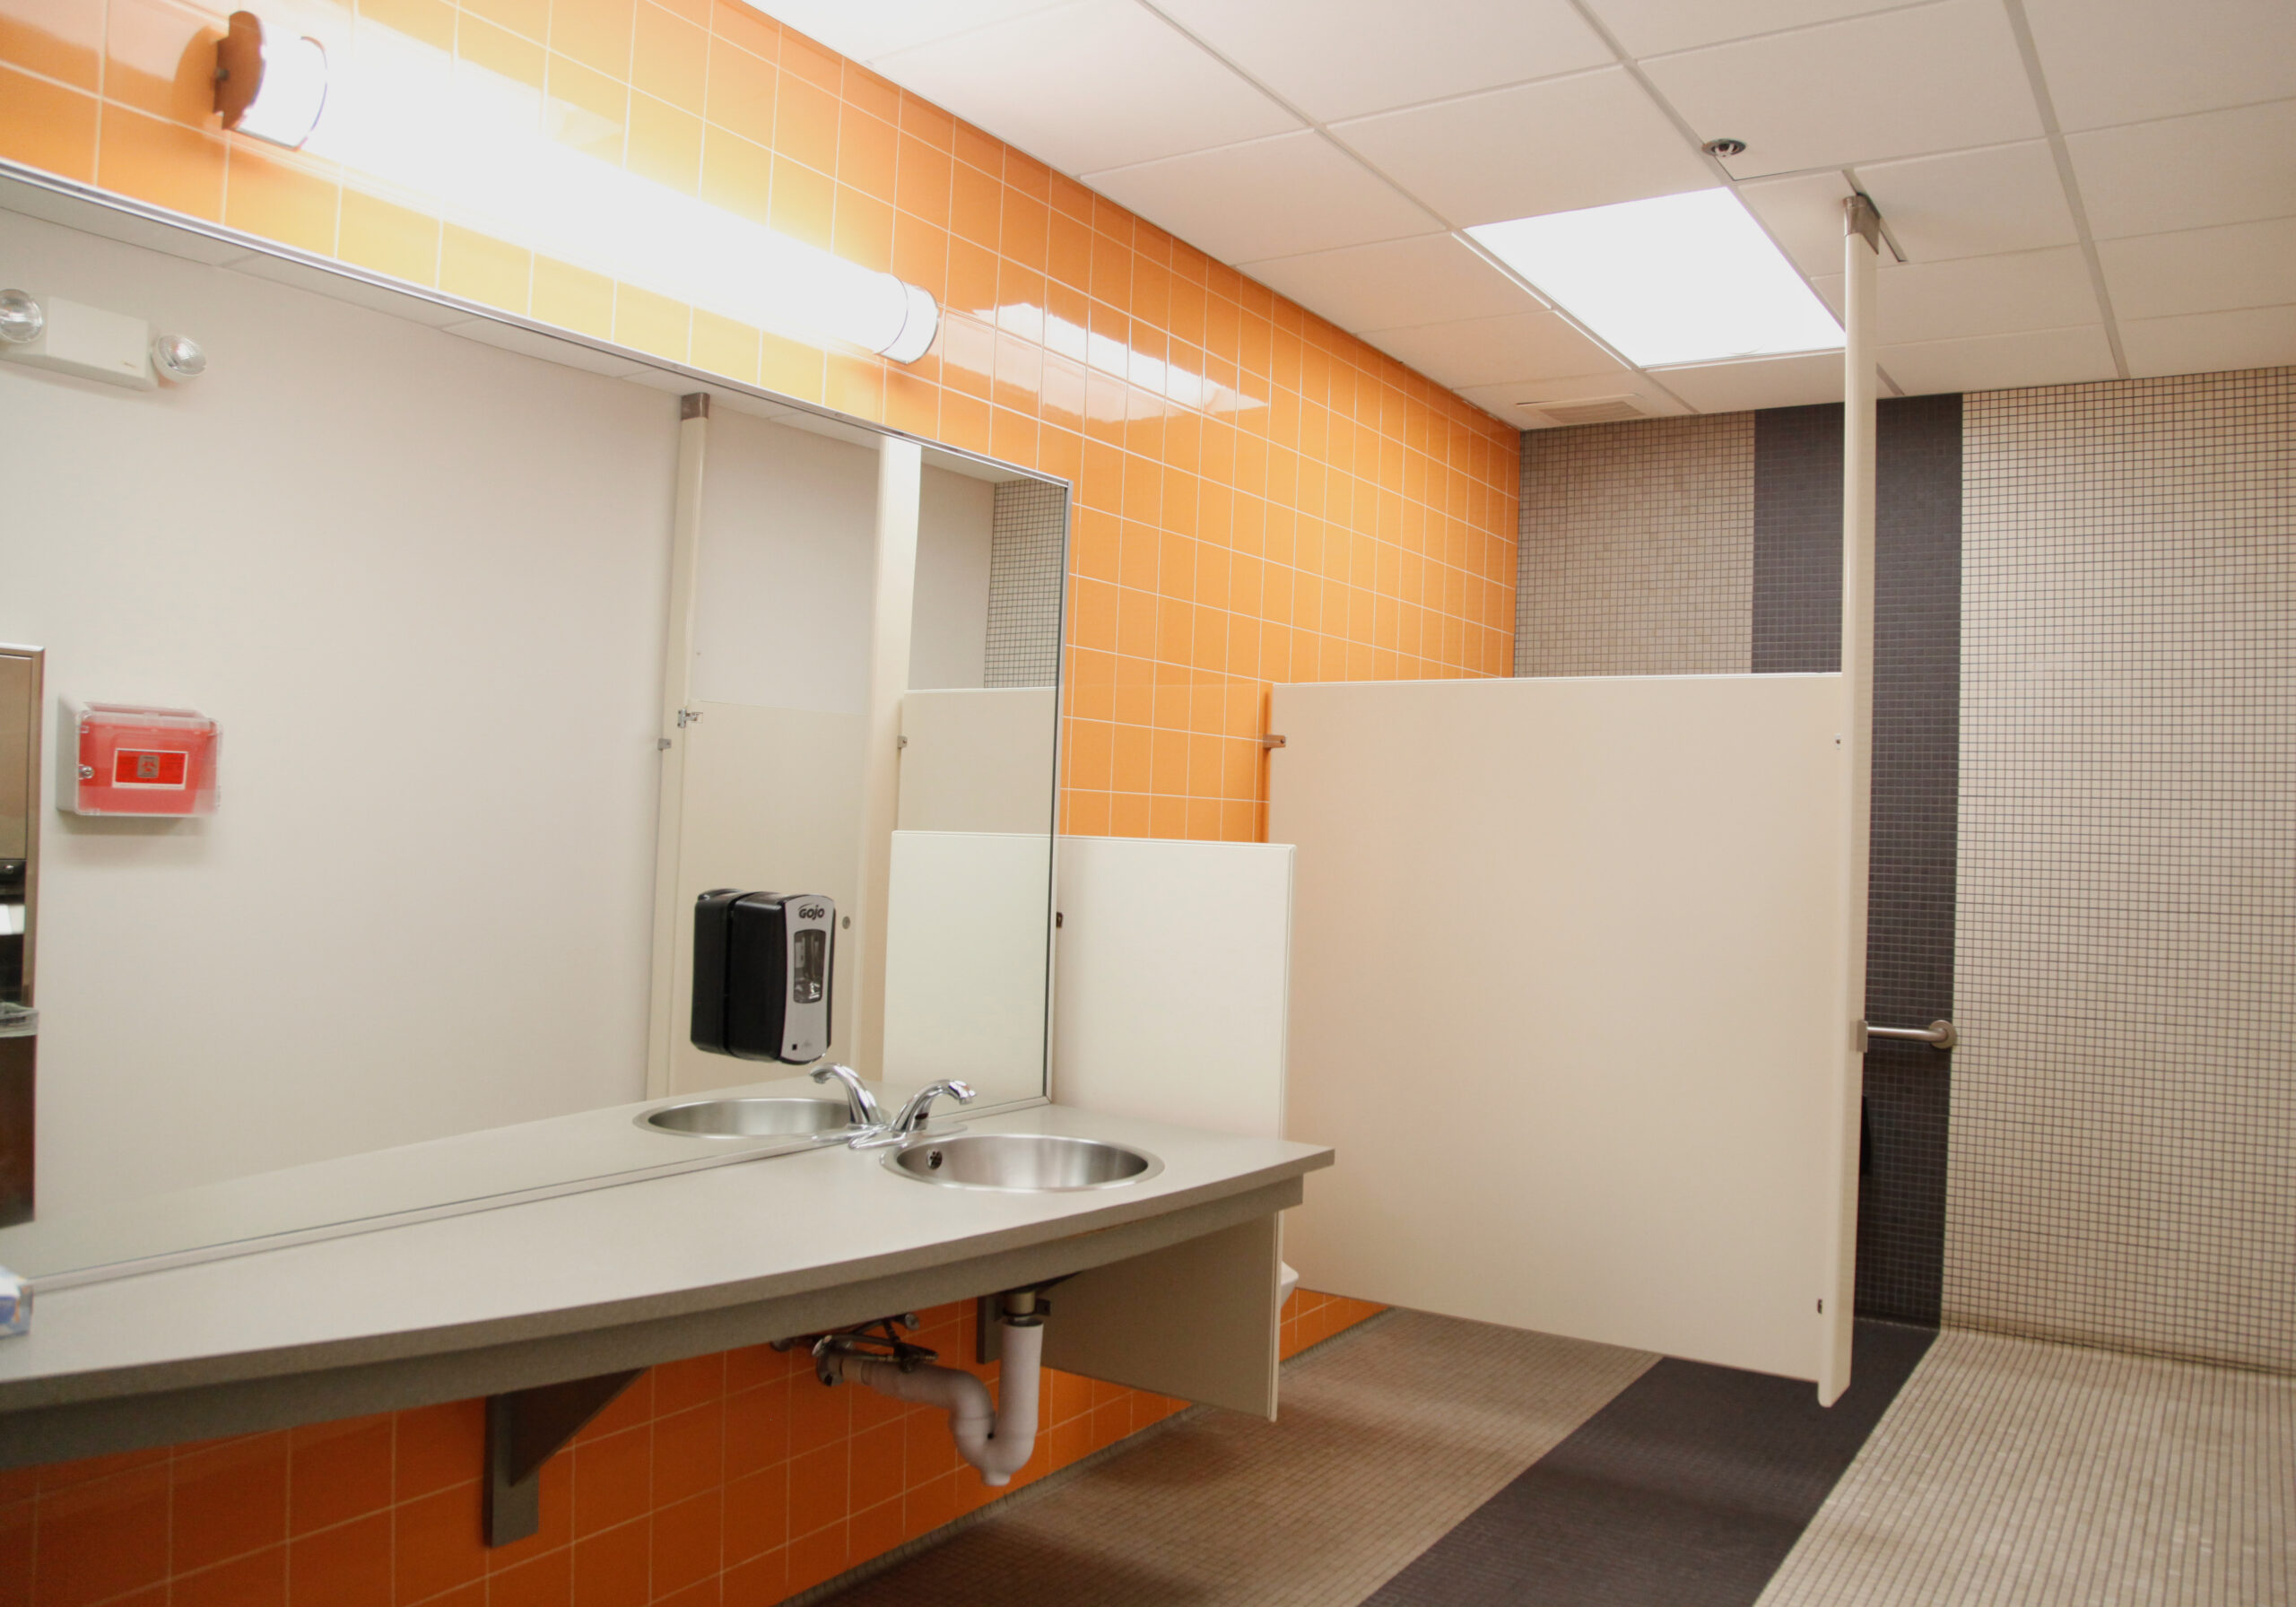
[(763, 974)]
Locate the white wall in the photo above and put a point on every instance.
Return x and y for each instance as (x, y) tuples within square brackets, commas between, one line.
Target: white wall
[(948, 639), (979, 760), (772, 803), (782, 589), (782, 595), (421, 583)]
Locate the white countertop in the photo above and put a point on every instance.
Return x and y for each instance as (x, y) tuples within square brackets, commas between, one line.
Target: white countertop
[(373, 1188), (785, 1225)]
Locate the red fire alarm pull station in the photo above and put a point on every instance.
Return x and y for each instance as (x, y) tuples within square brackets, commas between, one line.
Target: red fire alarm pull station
[(127, 759)]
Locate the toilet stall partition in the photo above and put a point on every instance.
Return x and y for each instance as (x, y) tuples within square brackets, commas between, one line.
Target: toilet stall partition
[(1565, 998)]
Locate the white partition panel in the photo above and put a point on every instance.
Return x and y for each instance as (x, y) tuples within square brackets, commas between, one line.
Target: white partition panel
[(1173, 989), (1563, 1000), (978, 759), (965, 961), (1173, 981)]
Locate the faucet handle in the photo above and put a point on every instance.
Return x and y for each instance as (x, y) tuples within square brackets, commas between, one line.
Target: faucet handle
[(913, 1115)]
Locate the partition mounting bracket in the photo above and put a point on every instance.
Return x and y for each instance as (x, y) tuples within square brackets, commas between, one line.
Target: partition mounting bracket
[(524, 1428), (1861, 217)]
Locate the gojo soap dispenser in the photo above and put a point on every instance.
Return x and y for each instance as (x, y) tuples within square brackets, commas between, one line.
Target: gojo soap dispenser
[(761, 974)]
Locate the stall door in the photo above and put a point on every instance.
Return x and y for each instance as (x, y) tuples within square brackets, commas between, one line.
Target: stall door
[(1565, 999)]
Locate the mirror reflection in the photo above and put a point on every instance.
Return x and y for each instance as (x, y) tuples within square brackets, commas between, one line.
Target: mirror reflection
[(509, 664)]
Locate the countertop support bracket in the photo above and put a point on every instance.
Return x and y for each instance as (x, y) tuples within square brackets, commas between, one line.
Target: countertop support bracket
[(524, 1428)]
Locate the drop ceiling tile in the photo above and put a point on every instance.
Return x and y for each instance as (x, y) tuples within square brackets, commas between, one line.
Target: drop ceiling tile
[(1998, 363), (1904, 83), (1803, 215), (1343, 58), (1977, 295), (1654, 27), (1435, 277), (1761, 382), (1097, 83), (1528, 345), (1973, 202), (2210, 342), (2216, 167), (1275, 197), (1513, 401), (1556, 146), (2201, 270), (2121, 61), (865, 32)]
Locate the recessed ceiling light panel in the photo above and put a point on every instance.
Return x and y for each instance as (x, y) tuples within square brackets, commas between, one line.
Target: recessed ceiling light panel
[(1678, 279)]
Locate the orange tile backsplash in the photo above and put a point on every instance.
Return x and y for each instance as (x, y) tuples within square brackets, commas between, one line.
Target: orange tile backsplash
[(1258, 498), (731, 1479)]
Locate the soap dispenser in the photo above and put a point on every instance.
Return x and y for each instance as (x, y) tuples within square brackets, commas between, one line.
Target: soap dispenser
[(761, 974)]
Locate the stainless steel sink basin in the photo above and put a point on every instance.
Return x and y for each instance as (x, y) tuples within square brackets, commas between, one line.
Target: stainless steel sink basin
[(1026, 1162), (748, 1118)]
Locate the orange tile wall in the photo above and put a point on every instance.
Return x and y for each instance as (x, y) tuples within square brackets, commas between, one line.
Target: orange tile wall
[(733, 1478), (1330, 515)]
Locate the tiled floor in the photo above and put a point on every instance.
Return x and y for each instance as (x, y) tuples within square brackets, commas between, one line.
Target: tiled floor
[(1423, 1462), (1389, 1438), (2015, 1471), (1687, 1490)]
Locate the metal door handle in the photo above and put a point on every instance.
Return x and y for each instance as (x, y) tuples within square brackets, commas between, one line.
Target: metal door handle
[(1937, 1035), (19, 1021)]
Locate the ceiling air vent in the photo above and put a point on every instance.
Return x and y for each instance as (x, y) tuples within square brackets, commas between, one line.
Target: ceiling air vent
[(1589, 409)]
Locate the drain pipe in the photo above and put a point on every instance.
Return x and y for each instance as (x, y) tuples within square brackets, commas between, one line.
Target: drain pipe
[(998, 1443)]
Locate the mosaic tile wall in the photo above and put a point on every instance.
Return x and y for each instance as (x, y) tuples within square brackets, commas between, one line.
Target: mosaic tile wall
[(1636, 548), (1798, 541), (2123, 1133), (1916, 648), (1028, 521)]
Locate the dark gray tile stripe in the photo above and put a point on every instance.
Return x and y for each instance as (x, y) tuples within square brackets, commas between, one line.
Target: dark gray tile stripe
[(1917, 737), (1798, 541), (1917, 778), (1687, 1490)]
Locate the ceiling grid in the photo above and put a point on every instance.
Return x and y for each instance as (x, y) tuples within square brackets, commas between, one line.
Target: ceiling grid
[(2074, 189)]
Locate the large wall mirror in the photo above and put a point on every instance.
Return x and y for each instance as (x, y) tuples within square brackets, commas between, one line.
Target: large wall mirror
[(517, 644)]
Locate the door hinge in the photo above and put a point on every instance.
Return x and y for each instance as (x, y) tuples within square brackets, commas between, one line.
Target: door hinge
[(688, 717), (1821, 1309)]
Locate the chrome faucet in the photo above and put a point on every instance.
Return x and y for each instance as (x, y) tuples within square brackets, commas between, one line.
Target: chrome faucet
[(913, 1115), (860, 1104)]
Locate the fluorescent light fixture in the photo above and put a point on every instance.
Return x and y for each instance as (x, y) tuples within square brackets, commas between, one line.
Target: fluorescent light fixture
[(271, 86), (1678, 279), (1142, 377), (409, 119)]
